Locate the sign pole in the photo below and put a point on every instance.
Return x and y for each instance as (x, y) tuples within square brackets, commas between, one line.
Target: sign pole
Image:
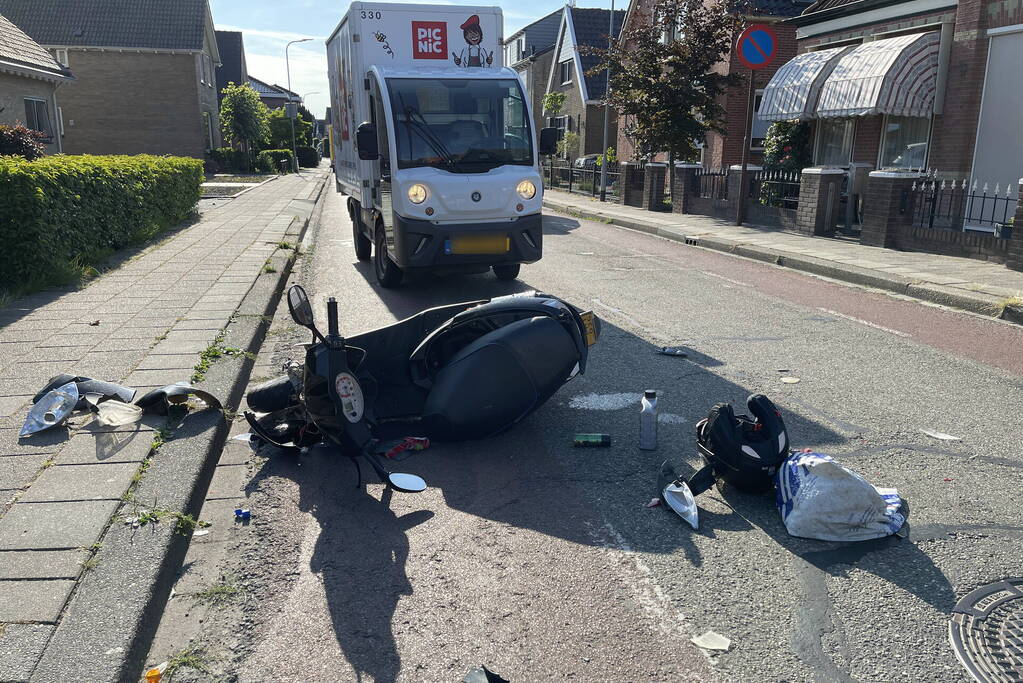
[(756, 47), (747, 140)]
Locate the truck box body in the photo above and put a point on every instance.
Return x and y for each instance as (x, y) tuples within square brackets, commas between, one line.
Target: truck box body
[(451, 178), (400, 36)]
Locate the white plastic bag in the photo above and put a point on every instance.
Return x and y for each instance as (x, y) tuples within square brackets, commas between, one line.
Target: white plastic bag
[(818, 498)]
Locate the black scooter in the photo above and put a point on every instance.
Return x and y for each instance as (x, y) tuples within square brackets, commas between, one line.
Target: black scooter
[(462, 371)]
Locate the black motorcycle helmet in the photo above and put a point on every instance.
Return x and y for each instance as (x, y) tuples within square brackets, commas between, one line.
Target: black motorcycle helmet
[(741, 450)]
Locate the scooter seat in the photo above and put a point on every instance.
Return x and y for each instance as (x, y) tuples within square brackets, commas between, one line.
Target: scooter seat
[(498, 379)]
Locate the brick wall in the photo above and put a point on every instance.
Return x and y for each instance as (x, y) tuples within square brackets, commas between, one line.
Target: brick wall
[(14, 90), (574, 106), (975, 245), (133, 103), (539, 69)]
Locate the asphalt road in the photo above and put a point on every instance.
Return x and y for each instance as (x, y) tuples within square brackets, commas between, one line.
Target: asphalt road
[(542, 561)]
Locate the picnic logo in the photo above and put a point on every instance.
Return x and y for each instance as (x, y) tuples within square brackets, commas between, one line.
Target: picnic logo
[(429, 40)]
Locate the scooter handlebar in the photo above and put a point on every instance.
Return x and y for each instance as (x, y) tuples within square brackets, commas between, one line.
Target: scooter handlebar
[(332, 326)]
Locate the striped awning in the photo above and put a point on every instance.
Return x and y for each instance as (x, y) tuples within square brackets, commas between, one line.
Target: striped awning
[(894, 76), (794, 88)]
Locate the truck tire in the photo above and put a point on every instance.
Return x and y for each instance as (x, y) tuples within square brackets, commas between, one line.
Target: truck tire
[(507, 271), (363, 245), (271, 396), (388, 273)]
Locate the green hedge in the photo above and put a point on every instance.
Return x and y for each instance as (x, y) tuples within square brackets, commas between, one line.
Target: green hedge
[(308, 157), (269, 160), (231, 160), (62, 213)]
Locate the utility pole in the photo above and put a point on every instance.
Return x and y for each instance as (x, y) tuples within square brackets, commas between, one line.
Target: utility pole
[(292, 115), (607, 113)]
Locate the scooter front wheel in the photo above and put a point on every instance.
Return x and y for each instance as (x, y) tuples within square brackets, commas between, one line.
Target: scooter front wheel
[(269, 397)]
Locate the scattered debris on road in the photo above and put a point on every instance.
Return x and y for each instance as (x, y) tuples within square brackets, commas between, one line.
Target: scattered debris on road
[(408, 445), (679, 351), (592, 440), (941, 436), (482, 674), (51, 410), (654, 502), (790, 380), (711, 640)]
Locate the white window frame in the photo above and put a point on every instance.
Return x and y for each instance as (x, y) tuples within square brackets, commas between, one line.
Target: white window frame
[(817, 141), (61, 55), (884, 134), (759, 92), (208, 122), (561, 71)]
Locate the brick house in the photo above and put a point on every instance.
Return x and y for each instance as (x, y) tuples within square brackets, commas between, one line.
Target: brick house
[(583, 112), (29, 78), (721, 151), (144, 69), (530, 51), (273, 96), (910, 84), (232, 69)]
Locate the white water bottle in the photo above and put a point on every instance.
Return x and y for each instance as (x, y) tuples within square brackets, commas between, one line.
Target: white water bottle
[(648, 421)]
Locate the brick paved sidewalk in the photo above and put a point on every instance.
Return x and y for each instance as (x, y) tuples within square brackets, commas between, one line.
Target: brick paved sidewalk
[(156, 312), (978, 286)]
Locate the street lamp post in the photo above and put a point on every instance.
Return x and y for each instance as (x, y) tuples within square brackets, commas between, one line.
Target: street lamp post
[(607, 91), (287, 66)]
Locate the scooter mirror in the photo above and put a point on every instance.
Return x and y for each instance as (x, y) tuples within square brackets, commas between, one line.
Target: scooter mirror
[(406, 483), (298, 304)]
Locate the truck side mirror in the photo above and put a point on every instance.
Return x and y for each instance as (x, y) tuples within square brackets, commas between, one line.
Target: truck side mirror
[(548, 141), (366, 142)]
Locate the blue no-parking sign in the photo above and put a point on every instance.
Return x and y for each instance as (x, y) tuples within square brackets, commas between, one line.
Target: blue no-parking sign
[(757, 46)]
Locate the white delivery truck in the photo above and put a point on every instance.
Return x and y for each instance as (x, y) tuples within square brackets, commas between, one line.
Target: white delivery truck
[(433, 141)]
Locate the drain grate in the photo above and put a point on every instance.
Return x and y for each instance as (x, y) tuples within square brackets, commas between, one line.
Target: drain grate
[(986, 632)]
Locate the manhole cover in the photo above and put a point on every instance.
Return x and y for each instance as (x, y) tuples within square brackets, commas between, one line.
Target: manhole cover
[(986, 631)]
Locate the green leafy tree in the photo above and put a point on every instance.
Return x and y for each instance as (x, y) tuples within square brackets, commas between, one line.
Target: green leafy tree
[(308, 117), (611, 155), (243, 118), (280, 130), (668, 89), (553, 102), (787, 146), (568, 145)]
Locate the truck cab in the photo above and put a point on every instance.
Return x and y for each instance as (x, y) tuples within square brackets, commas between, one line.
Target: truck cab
[(443, 168)]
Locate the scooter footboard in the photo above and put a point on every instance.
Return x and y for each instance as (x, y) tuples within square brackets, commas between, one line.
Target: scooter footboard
[(499, 379)]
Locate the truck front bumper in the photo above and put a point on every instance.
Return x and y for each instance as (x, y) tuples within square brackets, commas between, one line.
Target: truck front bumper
[(423, 244)]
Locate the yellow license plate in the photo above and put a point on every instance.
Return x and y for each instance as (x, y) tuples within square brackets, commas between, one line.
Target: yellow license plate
[(479, 244), (591, 329)]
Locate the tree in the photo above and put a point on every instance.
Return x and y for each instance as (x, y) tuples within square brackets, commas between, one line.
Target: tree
[(553, 102), (788, 147), (306, 115), (20, 141), (568, 145), (243, 118), (668, 89), (280, 130)]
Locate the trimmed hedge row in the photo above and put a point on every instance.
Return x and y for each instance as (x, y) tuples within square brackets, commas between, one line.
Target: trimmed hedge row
[(231, 160), (63, 210), (269, 160), (308, 157)]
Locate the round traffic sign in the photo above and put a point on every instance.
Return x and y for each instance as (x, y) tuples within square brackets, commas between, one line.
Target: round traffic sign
[(757, 46)]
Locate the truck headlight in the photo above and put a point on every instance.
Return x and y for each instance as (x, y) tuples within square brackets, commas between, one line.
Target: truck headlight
[(417, 193), (526, 189)]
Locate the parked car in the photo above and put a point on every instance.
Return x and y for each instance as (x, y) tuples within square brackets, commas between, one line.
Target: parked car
[(589, 162)]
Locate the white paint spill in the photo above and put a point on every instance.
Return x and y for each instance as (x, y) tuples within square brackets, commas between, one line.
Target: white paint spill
[(604, 401), (861, 321), (671, 419)]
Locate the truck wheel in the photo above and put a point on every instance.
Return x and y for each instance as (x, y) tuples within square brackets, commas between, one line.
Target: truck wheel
[(388, 273), (269, 397), (363, 246), (508, 271)]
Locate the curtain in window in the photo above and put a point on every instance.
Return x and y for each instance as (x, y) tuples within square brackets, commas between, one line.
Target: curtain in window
[(834, 142), (905, 142)]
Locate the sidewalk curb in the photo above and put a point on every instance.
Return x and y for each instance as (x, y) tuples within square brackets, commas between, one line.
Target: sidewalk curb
[(986, 305), (111, 619)]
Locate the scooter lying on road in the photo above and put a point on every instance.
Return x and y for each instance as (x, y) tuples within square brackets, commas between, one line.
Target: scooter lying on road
[(463, 371)]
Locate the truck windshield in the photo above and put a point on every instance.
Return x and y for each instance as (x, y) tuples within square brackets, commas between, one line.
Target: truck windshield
[(460, 125)]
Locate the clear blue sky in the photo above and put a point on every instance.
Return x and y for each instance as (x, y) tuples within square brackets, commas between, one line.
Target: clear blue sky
[(269, 24)]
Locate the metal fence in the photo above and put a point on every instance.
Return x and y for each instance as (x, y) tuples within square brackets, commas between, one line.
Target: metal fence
[(775, 188), (581, 180), (955, 205), (713, 183)]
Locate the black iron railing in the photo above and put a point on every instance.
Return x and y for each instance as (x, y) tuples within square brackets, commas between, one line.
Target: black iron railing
[(713, 183), (581, 180), (958, 205), (775, 188)]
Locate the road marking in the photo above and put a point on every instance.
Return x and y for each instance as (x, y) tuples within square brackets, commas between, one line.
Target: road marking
[(727, 279), (865, 322)]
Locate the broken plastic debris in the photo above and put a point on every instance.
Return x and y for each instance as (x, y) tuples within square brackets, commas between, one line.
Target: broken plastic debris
[(654, 502), (940, 435), (712, 640), (243, 514), (409, 443), (156, 673), (680, 498), (790, 380), (482, 674), (246, 437), (200, 532), (114, 413), (51, 410), (672, 351), (94, 323)]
